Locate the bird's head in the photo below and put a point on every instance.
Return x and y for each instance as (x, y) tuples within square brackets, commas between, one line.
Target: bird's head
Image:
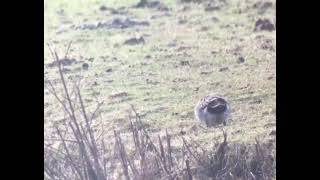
[(216, 106)]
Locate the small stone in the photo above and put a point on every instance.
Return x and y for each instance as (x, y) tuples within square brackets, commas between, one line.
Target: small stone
[(118, 95), (223, 69), (240, 60), (182, 21), (214, 19), (85, 66), (204, 28), (109, 70), (109, 81), (212, 7), (214, 52), (206, 72), (174, 114), (103, 8), (270, 77), (267, 45), (184, 63), (257, 101), (262, 7), (272, 133), (264, 25), (182, 132), (135, 41)]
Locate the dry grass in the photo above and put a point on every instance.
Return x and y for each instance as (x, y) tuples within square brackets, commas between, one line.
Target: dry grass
[(185, 52)]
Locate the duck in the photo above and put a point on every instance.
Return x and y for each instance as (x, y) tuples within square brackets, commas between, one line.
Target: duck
[(212, 110)]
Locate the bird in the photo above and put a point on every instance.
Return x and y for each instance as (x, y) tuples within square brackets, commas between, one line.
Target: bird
[(212, 110)]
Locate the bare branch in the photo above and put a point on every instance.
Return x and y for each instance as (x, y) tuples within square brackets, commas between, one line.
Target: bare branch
[(68, 48), (69, 155)]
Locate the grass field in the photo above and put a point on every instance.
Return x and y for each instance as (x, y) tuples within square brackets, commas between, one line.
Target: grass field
[(188, 52)]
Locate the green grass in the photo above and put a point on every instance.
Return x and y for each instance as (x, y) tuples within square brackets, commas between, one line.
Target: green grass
[(168, 101)]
